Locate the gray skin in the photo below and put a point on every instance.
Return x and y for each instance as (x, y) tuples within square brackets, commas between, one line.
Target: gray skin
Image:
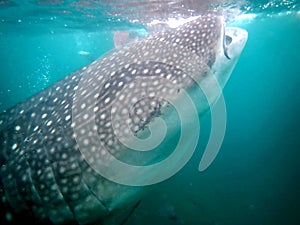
[(43, 170)]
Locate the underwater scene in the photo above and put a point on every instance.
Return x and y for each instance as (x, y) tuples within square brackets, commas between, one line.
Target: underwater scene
[(210, 87)]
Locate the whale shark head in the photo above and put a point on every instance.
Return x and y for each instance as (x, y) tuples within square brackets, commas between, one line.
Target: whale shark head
[(218, 46), (227, 44), (234, 40)]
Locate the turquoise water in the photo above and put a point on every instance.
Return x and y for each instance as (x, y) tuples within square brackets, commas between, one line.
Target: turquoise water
[(255, 177)]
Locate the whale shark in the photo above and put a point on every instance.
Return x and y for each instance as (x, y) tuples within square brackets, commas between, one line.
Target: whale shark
[(78, 152)]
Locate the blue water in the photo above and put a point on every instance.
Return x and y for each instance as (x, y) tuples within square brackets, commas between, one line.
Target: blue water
[(255, 177)]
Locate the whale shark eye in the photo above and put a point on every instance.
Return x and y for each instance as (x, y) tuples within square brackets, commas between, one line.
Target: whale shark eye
[(228, 40)]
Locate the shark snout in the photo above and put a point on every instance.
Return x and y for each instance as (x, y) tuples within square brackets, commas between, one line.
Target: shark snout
[(234, 41)]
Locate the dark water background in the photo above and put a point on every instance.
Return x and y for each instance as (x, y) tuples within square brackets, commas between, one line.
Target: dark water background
[(255, 179)]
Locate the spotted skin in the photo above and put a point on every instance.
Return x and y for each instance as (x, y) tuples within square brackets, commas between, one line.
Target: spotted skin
[(42, 170)]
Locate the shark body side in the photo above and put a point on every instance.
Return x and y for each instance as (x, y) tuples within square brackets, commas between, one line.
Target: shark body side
[(43, 169)]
